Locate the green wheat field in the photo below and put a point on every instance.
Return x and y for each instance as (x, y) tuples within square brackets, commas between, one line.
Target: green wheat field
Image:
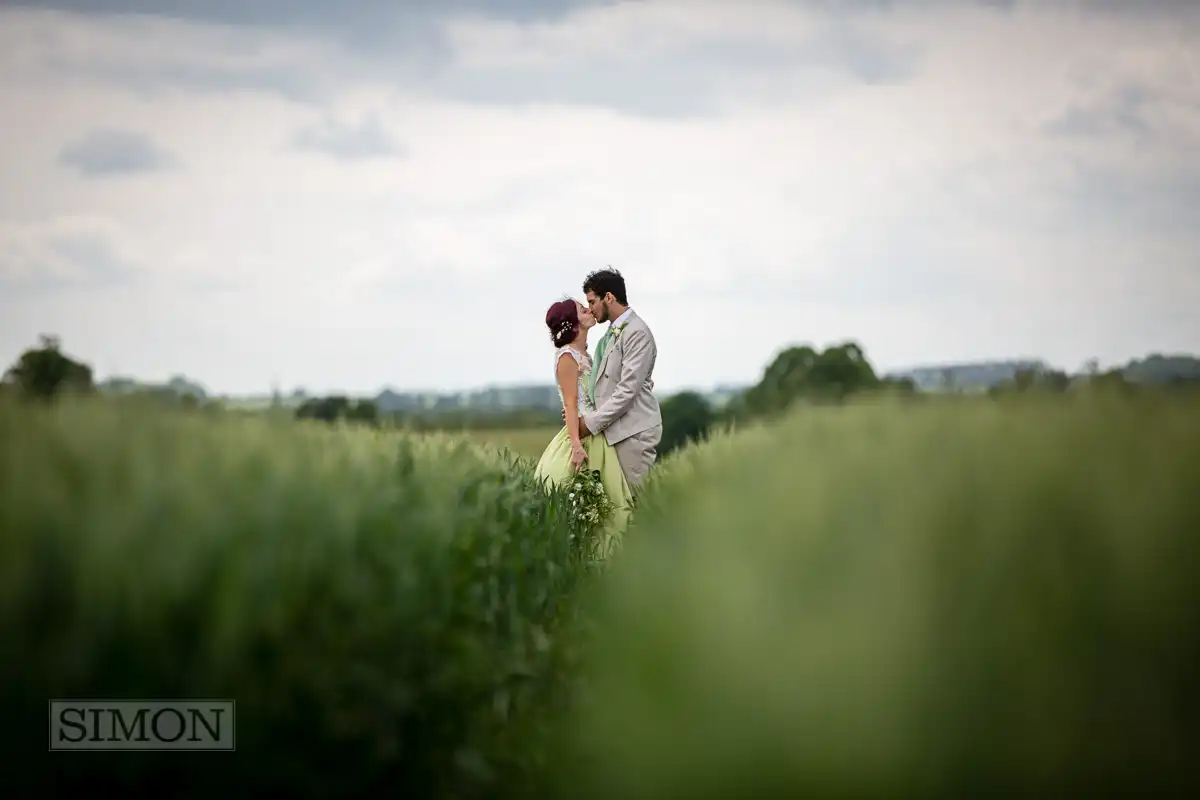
[(933, 599), (527, 443)]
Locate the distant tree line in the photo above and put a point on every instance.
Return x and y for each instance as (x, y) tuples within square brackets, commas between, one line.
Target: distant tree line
[(798, 374), (802, 374), (1094, 380), (340, 408), (337, 408)]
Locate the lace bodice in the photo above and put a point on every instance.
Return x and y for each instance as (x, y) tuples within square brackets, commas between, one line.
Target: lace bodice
[(585, 376)]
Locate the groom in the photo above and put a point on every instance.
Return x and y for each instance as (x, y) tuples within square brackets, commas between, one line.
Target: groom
[(626, 412)]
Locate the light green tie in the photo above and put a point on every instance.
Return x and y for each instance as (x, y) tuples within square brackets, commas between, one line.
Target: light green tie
[(600, 348)]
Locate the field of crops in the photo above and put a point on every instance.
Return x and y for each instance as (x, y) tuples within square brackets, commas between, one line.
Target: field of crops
[(878, 600), (527, 443)]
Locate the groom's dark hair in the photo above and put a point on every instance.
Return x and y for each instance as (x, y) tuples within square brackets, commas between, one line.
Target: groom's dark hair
[(603, 281)]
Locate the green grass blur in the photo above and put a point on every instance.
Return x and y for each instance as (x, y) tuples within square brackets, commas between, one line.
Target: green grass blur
[(525, 443), (883, 599), (381, 607)]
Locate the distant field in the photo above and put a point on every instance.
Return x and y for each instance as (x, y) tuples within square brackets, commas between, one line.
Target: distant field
[(528, 442)]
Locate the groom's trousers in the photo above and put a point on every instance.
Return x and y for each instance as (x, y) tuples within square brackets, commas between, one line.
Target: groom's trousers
[(637, 454)]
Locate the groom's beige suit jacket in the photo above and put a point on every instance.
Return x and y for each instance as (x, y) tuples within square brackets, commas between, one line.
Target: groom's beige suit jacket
[(627, 413)]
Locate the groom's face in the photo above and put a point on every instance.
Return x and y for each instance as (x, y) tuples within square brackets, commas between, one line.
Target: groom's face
[(598, 306)]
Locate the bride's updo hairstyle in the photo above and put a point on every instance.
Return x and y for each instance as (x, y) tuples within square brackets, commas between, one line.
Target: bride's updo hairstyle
[(563, 321)]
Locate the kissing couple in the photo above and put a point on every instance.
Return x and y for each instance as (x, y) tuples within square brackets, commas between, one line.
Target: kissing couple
[(612, 419)]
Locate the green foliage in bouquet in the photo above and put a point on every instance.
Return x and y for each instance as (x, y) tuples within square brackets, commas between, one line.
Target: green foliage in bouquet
[(591, 509)]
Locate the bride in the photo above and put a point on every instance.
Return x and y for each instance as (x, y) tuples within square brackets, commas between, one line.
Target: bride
[(569, 322)]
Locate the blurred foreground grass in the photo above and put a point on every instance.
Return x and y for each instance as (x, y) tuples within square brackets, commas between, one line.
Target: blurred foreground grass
[(382, 608), (936, 599), (932, 600)]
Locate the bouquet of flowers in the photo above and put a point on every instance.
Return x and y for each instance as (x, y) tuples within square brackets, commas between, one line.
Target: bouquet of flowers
[(590, 504)]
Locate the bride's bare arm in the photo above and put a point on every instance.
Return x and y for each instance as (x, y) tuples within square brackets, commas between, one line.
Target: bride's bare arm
[(568, 382)]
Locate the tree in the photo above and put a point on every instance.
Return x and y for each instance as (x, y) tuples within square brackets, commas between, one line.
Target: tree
[(687, 417), (841, 371), (363, 411), (784, 379), (1112, 380), (45, 372), (798, 372), (1024, 379), (1055, 380), (339, 407)]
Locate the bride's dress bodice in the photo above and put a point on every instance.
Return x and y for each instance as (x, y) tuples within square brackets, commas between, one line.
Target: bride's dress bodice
[(584, 361)]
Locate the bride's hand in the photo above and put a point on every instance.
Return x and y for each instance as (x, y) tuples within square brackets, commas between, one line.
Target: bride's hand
[(578, 455)]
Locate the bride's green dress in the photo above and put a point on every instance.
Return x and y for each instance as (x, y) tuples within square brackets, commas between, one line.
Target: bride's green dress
[(555, 464)]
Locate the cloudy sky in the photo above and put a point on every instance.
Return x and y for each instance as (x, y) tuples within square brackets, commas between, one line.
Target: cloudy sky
[(357, 194)]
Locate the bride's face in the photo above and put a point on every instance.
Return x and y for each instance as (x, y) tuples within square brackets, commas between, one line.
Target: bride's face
[(586, 318)]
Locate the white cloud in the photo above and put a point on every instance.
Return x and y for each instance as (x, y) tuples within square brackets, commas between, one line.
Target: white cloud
[(933, 216)]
